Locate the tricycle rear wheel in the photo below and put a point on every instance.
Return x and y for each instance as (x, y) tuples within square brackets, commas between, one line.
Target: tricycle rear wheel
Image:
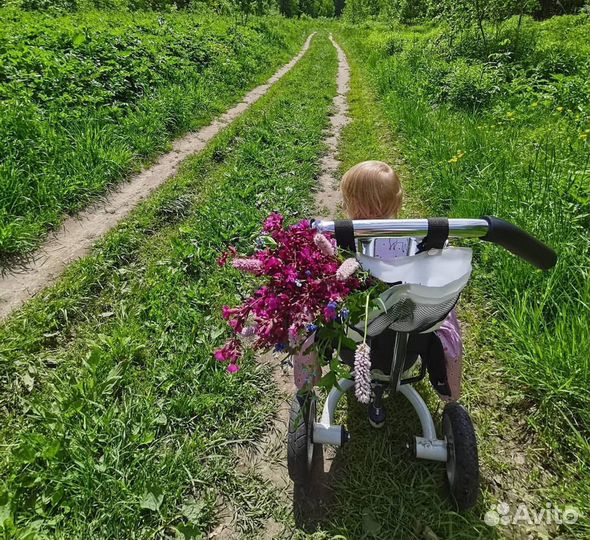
[(462, 458)]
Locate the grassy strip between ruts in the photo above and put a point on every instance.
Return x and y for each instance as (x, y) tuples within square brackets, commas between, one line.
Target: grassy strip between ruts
[(86, 98), (116, 422)]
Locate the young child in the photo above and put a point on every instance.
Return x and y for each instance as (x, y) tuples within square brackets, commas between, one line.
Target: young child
[(372, 190)]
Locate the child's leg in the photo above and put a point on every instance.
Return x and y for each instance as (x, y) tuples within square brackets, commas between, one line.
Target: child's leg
[(306, 371), (452, 343), (306, 368)]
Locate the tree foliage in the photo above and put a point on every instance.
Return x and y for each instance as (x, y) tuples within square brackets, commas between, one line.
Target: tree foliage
[(288, 8), (457, 11)]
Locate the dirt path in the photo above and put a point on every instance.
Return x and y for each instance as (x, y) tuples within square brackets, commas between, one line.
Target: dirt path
[(78, 234), (328, 198), (269, 458)]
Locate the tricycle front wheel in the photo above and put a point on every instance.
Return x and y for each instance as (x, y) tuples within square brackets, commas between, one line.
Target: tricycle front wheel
[(300, 446)]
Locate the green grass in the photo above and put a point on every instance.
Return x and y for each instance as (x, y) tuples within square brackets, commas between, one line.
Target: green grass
[(87, 98), (524, 157), (116, 421)]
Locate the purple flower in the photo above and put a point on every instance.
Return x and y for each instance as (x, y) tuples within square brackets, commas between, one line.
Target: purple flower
[(312, 327), (330, 311), (230, 351), (248, 331), (344, 313), (273, 222), (233, 368)]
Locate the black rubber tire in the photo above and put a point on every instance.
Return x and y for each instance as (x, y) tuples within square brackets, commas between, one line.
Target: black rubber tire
[(462, 458), (300, 447)]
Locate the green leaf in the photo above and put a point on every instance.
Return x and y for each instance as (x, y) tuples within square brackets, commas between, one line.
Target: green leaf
[(161, 419), (57, 495), (216, 332), (79, 39), (93, 358), (147, 438), (370, 526), (51, 449), (152, 499), (28, 381), (348, 343), (328, 380), (5, 510), (193, 510), (189, 531), (25, 453)]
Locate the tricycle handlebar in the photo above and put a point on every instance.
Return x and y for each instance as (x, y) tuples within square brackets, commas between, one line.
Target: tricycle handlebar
[(488, 228)]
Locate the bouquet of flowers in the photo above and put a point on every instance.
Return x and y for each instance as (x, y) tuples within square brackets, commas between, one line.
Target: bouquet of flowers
[(309, 294)]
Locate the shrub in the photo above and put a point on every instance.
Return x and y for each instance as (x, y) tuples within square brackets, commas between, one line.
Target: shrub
[(460, 85), (563, 58), (470, 87), (511, 41)]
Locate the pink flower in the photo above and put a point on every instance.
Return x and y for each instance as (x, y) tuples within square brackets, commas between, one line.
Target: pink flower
[(294, 337), (271, 265), (362, 372), (347, 268), (227, 312), (231, 252), (251, 266), (273, 222), (233, 368), (230, 351), (324, 245)]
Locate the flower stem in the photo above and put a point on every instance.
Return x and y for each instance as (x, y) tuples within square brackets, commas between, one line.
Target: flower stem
[(366, 316)]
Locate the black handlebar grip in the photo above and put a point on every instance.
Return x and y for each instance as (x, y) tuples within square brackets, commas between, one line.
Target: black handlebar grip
[(519, 242)]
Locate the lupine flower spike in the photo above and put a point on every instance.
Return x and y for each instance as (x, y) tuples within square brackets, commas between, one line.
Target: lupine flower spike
[(251, 266), (362, 365), (347, 268), (324, 245)]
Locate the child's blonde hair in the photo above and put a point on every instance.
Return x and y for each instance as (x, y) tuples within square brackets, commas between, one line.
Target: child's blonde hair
[(371, 190)]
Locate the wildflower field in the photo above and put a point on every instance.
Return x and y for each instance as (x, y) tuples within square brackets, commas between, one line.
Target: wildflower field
[(116, 419)]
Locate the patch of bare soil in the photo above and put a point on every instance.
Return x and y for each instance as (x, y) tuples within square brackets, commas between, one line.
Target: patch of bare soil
[(328, 196), (78, 234)]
